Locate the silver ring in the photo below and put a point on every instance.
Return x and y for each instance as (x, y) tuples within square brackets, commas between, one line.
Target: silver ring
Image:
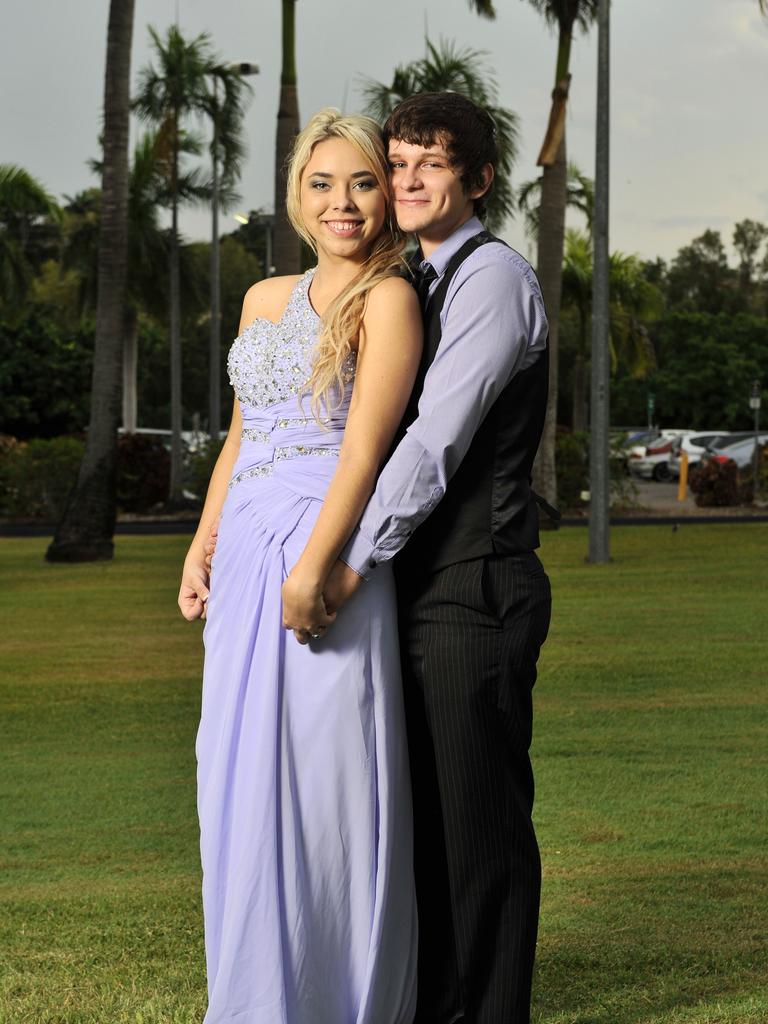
[(315, 636)]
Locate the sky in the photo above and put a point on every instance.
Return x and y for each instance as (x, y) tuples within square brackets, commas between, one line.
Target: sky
[(689, 145)]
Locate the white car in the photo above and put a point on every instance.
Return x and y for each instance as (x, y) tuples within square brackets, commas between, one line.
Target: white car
[(651, 461), (694, 445)]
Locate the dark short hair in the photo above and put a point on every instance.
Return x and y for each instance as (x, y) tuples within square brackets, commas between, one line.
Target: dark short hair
[(467, 131)]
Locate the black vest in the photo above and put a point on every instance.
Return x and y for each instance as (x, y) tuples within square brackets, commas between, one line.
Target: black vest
[(488, 507)]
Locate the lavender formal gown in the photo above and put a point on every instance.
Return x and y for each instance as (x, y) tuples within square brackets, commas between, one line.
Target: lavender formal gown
[(303, 788)]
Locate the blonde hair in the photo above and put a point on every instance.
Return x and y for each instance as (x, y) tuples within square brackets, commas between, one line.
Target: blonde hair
[(340, 325)]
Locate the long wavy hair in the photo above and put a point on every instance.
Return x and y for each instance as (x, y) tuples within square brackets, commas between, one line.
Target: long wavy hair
[(340, 325)]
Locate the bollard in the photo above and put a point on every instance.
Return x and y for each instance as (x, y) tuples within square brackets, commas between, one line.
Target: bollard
[(683, 485)]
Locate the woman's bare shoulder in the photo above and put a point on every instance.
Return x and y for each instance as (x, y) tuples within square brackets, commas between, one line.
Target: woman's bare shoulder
[(267, 299), (393, 292)]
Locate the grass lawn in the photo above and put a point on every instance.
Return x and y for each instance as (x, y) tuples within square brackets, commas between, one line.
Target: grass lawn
[(651, 757)]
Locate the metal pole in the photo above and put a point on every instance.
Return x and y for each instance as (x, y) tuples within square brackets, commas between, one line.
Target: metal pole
[(214, 371), (754, 404), (599, 451)]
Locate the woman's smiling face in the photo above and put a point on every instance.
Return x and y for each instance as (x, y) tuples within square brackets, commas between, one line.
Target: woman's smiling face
[(342, 205)]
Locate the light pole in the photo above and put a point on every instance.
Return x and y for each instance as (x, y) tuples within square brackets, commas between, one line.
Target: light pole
[(599, 453), (266, 221), (214, 371), (754, 405)]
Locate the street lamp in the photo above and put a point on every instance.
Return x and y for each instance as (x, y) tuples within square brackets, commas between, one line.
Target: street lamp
[(243, 68), (754, 405), (266, 221)]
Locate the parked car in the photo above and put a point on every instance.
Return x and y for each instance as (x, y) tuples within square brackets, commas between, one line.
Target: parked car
[(651, 461), (741, 451), (694, 445)]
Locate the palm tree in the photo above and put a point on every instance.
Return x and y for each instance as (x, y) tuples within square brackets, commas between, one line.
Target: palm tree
[(566, 16), (580, 195), (458, 70), (24, 202), (635, 303), (86, 530), (286, 249), (168, 94)]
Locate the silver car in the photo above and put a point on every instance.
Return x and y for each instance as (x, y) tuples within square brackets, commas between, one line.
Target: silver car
[(741, 452)]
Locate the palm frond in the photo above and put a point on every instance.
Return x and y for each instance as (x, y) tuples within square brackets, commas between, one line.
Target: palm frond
[(484, 8), (565, 14)]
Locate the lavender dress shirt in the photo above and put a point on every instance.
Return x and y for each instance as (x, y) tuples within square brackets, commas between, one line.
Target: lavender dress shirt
[(493, 325)]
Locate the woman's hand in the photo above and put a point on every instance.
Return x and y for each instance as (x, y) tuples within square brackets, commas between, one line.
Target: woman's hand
[(304, 609), (193, 593)]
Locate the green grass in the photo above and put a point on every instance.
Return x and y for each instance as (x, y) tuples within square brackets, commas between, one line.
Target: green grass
[(651, 757)]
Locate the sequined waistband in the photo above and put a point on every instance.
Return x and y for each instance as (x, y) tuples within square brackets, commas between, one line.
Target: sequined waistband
[(292, 451), (265, 436)]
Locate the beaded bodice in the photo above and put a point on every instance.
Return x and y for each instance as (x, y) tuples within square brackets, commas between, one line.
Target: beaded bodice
[(269, 365), (270, 362)]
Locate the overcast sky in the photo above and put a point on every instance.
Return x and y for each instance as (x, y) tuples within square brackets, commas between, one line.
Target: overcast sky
[(689, 78)]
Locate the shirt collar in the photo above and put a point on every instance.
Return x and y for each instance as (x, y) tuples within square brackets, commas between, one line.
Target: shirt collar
[(443, 254)]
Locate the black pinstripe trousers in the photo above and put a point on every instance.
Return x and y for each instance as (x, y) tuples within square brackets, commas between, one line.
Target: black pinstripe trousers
[(470, 637)]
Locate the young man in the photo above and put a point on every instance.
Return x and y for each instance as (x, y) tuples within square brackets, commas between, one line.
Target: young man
[(473, 597)]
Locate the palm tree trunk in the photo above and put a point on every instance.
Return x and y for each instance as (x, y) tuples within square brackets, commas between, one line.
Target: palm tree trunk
[(174, 495), (554, 195), (88, 525), (130, 363), (286, 245), (550, 274)]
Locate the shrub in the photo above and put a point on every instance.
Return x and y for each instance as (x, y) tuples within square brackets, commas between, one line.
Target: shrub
[(572, 462), (715, 484), (143, 472), (37, 476), (199, 467)]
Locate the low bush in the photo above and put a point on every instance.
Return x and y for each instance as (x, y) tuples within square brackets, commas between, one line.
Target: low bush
[(199, 467), (143, 473), (718, 485), (37, 476)]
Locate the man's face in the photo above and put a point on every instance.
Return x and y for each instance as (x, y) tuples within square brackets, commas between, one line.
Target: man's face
[(430, 199)]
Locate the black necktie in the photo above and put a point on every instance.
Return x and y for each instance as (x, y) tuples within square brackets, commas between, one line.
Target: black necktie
[(422, 279)]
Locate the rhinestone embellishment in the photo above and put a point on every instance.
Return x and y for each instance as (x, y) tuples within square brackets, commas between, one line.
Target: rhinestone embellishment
[(251, 434), (248, 473), (270, 361)]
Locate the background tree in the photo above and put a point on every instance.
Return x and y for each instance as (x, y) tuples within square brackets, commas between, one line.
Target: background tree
[(565, 16), (168, 94), (635, 304), (580, 195), (24, 204), (446, 68), (87, 527), (286, 248), (748, 237), (699, 278)]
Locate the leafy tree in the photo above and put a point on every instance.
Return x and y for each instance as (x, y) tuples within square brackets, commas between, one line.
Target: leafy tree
[(286, 246), (24, 204), (565, 16), (700, 278), (45, 373), (748, 237), (635, 303), (706, 365), (446, 68)]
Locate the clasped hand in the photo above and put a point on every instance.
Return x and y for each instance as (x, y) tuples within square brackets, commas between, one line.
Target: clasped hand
[(304, 609)]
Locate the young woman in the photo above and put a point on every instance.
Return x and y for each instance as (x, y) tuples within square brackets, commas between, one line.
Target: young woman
[(303, 790)]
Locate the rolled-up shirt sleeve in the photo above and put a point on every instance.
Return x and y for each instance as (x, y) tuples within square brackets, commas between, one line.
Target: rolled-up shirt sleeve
[(493, 325)]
